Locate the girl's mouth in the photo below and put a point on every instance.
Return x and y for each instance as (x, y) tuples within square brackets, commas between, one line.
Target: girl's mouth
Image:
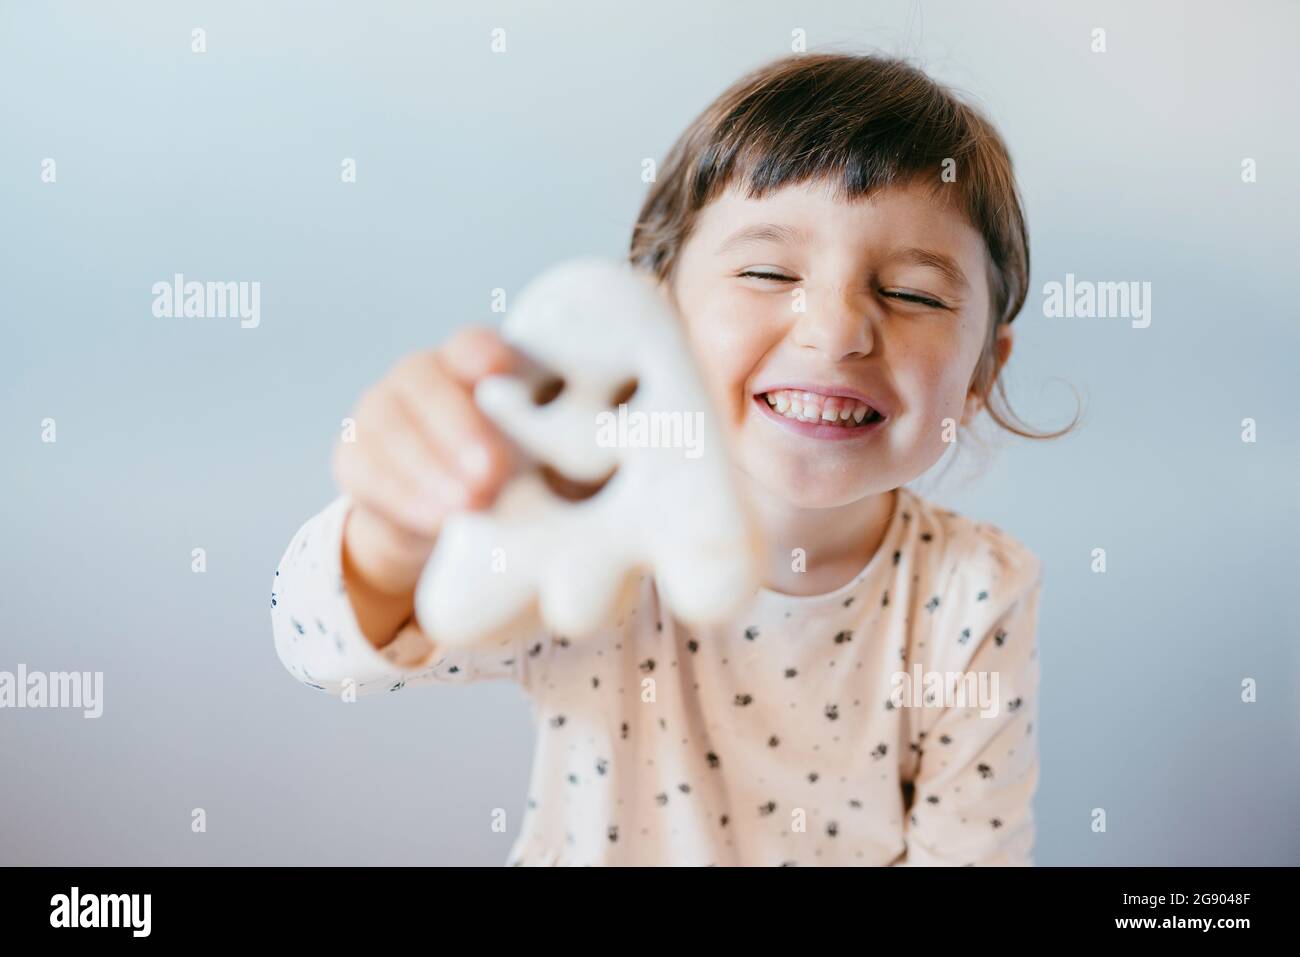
[(819, 416)]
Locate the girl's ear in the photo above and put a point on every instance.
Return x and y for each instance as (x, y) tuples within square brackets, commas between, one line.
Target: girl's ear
[(1001, 352)]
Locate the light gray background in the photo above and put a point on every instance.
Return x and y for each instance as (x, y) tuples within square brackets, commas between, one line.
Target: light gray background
[(475, 171)]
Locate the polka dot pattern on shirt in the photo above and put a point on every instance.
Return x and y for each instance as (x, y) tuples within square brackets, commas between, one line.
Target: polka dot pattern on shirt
[(772, 739)]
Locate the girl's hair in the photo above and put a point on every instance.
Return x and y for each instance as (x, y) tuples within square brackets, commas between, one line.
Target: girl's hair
[(860, 123)]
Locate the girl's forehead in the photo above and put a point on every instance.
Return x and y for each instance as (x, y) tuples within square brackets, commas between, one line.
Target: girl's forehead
[(818, 212), (820, 195)]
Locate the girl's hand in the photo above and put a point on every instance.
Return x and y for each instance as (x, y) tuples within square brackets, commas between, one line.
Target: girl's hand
[(422, 450)]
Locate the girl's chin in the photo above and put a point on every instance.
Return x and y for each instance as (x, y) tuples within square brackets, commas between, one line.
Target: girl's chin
[(804, 490)]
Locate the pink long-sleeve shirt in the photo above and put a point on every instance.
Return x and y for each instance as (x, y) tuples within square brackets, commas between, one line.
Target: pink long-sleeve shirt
[(890, 721)]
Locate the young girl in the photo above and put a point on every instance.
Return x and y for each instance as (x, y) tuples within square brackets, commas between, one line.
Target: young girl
[(844, 244)]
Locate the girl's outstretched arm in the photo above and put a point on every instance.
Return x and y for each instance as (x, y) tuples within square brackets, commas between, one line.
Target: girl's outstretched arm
[(320, 641)]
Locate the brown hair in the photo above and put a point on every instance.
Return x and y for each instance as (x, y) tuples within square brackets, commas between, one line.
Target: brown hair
[(859, 122)]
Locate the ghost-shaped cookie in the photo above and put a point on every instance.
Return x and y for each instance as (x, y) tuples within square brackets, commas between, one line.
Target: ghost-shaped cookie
[(626, 413)]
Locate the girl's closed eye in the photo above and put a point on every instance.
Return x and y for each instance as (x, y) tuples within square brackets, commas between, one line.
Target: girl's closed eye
[(919, 298), (901, 295), (761, 272)]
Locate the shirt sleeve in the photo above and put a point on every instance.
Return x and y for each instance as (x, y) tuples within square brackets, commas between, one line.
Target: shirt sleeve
[(318, 640), (977, 766)]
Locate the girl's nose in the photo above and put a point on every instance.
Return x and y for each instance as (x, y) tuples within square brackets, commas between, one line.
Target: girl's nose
[(838, 323)]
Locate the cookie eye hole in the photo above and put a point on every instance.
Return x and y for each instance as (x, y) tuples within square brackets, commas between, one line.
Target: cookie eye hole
[(548, 390), (624, 393)]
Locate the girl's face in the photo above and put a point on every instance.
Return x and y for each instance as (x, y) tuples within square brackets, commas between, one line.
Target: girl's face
[(825, 308)]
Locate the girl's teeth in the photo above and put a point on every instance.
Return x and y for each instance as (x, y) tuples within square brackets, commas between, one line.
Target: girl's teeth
[(811, 407)]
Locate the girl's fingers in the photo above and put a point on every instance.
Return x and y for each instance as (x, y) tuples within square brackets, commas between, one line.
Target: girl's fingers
[(395, 473), (390, 493), (407, 447), (423, 448), (476, 352), (465, 440)]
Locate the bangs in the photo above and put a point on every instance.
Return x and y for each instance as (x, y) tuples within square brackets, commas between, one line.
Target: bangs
[(856, 137), (858, 124)]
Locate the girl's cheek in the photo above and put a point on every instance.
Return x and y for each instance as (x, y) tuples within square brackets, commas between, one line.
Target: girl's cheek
[(933, 384), (726, 332), (722, 348)]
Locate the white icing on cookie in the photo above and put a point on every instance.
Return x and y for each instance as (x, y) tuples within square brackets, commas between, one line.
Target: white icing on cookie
[(670, 508)]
